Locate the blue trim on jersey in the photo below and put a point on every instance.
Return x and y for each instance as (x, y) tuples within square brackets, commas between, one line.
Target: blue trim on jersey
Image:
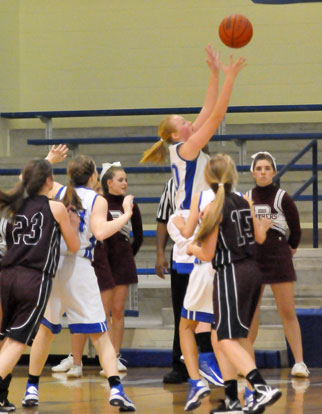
[(88, 328), (88, 251), (184, 268), (86, 188), (200, 198), (94, 201), (199, 262), (55, 329), (57, 196), (183, 159), (197, 316), (191, 167), (81, 214)]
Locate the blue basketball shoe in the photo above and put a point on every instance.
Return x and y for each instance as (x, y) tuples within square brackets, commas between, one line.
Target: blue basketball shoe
[(119, 399), (209, 369), (30, 398), (198, 390), (248, 399)]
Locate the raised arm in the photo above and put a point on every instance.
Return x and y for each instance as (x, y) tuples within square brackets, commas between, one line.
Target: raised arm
[(261, 226), (190, 148), (55, 155), (102, 228), (213, 63)]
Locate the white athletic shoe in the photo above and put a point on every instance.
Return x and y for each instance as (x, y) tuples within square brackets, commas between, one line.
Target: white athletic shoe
[(64, 365), (76, 371), (264, 396), (300, 370), (120, 366), (102, 373)]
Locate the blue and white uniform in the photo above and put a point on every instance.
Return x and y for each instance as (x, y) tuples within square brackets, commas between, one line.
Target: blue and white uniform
[(75, 289), (189, 179), (188, 176), (198, 301)]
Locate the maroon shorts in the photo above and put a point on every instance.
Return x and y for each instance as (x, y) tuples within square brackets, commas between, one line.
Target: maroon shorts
[(236, 292), (24, 296)]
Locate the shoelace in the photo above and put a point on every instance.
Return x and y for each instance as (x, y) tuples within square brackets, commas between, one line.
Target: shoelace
[(119, 357)]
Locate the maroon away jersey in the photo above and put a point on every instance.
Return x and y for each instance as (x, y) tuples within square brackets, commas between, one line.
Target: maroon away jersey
[(236, 234), (33, 239)]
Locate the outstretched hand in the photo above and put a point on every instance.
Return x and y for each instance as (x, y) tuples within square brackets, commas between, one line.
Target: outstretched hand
[(213, 58), (233, 68), (57, 154)]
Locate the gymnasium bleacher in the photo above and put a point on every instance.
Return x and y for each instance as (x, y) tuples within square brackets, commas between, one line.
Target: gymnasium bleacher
[(150, 332)]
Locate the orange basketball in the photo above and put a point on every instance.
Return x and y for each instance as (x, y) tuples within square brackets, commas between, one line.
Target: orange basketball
[(235, 31)]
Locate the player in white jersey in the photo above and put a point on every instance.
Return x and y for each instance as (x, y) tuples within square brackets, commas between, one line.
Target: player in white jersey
[(197, 307), (75, 288), (186, 140)]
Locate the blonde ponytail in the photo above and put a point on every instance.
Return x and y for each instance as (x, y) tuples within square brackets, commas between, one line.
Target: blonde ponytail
[(221, 175), (157, 153), (212, 217)]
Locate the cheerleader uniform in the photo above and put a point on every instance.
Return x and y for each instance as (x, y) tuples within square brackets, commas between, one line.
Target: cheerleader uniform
[(120, 250), (274, 255), (101, 264)]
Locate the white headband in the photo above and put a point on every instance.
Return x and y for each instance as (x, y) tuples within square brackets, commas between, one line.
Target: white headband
[(262, 153), (106, 166)]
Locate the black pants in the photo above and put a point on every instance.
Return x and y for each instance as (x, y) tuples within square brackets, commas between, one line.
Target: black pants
[(179, 283)]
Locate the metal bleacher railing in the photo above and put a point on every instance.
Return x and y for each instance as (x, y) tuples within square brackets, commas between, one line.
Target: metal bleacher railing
[(240, 139)]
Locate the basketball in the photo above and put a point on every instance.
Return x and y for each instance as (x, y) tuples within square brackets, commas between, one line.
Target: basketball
[(235, 31)]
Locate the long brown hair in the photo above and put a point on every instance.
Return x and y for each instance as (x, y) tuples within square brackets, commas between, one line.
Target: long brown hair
[(34, 176), (157, 153), (222, 177), (109, 176), (79, 171)]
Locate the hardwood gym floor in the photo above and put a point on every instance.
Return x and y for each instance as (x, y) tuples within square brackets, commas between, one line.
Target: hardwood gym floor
[(89, 394)]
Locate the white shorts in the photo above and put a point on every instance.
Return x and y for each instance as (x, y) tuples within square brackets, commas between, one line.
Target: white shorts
[(181, 262), (75, 291), (198, 301)]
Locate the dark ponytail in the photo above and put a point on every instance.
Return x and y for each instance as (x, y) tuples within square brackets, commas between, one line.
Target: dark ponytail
[(79, 170), (33, 179)]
